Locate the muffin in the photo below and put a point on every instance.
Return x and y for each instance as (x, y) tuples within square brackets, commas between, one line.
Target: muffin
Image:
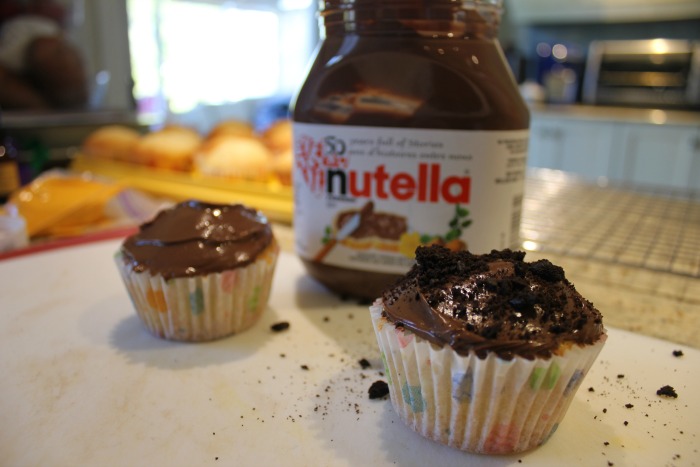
[(282, 167), (234, 157), (113, 142), (171, 148), (232, 127), (199, 271), (484, 353), (278, 136)]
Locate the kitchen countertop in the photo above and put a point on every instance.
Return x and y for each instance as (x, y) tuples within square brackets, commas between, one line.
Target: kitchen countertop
[(85, 384), (634, 252), (599, 113)]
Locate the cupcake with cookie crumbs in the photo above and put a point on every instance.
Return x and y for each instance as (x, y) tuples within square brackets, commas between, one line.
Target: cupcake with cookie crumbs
[(484, 353), (199, 271)]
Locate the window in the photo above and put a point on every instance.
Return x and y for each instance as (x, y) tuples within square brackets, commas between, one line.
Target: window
[(214, 58)]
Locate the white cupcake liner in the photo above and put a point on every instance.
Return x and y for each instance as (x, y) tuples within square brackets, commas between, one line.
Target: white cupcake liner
[(490, 405), (203, 307)]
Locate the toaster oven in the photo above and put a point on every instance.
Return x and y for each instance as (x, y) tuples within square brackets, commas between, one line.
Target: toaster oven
[(656, 72)]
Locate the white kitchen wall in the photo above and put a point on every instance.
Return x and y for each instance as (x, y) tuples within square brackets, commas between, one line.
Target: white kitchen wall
[(605, 11)]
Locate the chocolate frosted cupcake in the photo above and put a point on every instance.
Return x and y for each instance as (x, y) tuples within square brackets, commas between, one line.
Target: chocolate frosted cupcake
[(484, 353), (199, 271)]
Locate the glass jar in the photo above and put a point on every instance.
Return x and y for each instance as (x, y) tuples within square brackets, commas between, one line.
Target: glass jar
[(408, 130)]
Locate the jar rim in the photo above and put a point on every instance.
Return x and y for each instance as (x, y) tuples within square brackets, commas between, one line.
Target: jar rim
[(492, 6), (427, 18), (493, 3)]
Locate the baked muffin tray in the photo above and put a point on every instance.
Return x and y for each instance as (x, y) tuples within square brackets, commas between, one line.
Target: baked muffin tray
[(84, 384), (272, 198)]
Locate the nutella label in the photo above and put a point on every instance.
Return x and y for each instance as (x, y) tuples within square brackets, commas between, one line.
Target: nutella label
[(366, 197)]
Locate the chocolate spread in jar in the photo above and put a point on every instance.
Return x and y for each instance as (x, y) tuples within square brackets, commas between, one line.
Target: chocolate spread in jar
[(494, 302), (401, 110), (194, 238)]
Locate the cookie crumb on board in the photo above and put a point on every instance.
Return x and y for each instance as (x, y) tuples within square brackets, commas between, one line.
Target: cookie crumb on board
[(281, 326), (667, 391), (378, 389)]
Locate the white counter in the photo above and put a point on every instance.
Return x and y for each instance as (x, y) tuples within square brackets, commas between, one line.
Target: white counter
[(85, 384)]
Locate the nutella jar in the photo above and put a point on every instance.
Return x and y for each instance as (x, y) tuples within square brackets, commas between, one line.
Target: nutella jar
[(409, 130)]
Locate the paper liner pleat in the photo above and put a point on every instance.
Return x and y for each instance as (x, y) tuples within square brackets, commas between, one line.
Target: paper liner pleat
[(488, 405), (203, 307)]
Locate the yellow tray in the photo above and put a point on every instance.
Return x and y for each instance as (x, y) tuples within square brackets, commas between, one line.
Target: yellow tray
[(273, 199)]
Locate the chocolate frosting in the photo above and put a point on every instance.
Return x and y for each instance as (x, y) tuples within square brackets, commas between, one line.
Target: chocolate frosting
[(195, 238), (491, 303)]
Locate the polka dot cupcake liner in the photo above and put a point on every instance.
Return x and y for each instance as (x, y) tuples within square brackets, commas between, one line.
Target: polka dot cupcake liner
[(488, 406), (201, 308)]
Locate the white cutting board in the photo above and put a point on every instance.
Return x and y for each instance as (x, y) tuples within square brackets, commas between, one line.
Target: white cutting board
[(84, 384)]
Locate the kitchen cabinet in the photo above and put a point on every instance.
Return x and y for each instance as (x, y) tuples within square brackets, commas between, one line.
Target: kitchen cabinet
[(573, 146), (621, 150), (657, 155)]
